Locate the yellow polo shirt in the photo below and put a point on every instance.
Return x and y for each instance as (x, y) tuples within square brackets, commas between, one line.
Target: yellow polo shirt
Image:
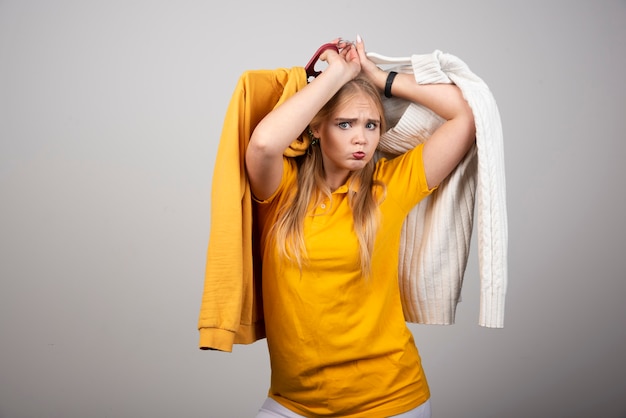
[(338, 342)]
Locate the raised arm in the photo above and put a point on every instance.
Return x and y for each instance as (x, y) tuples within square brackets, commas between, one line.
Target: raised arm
[(280, 127), (447, 146)]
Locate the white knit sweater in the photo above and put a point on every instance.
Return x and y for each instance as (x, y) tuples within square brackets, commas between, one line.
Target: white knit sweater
[(436, 235)]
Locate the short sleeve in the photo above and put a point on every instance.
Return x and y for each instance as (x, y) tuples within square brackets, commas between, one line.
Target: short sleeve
[(404, 177)]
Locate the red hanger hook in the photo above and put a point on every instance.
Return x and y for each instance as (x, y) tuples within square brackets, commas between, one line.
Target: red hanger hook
[(310, 67)]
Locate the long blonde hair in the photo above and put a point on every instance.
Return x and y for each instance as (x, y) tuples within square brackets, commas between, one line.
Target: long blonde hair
[(288, 230)]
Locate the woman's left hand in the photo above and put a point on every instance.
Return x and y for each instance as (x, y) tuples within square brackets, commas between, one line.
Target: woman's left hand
[(369, 70)]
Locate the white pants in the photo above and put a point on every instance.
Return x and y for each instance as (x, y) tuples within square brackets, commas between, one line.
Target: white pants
[(272, 409)]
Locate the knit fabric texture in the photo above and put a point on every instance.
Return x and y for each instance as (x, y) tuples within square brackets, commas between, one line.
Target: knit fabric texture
[(437, 234)]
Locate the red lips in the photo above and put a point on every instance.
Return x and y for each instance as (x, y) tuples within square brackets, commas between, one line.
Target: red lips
[(358, 155)]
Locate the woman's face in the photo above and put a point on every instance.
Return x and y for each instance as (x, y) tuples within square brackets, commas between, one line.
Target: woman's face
[(349, 138)]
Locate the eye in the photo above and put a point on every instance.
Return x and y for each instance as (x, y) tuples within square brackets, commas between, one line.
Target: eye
[(372, 125), (344, 125)]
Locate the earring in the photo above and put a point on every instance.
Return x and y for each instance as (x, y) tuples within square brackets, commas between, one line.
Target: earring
[(314, 140)]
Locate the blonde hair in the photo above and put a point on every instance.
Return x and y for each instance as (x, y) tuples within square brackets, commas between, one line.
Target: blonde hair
[(288, 230)]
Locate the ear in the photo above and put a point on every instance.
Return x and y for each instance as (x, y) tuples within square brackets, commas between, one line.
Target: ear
[(315, 132)]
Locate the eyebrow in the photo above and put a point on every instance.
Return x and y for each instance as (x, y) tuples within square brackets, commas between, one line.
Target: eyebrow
[(352, 120)]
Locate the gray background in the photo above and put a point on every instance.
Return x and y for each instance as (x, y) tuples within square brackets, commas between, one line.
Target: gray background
[(110, 116)]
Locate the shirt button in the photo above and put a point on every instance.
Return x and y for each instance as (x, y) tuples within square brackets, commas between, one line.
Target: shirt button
[(323, 206)]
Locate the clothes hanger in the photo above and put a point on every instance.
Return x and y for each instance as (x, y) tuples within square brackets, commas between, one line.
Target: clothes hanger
[(375, 57), (310, 67), (382, 59)]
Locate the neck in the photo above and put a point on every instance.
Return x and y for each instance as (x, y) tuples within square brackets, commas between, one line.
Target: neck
[(336, 181)]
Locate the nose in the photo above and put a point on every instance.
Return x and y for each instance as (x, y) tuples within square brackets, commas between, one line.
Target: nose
[(360, 137)]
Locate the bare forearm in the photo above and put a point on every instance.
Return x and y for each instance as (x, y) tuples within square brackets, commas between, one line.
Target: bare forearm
[(285, 123), (445, 100)]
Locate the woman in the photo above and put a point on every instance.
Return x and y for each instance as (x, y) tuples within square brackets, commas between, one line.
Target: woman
[(330, 227)]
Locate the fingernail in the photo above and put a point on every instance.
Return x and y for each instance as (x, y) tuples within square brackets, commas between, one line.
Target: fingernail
[(358, 38)]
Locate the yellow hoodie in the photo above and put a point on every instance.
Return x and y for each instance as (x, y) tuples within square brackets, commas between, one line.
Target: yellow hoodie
[(231, 311)]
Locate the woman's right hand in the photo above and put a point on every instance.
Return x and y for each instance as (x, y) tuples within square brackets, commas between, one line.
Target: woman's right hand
[(346, 62)]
